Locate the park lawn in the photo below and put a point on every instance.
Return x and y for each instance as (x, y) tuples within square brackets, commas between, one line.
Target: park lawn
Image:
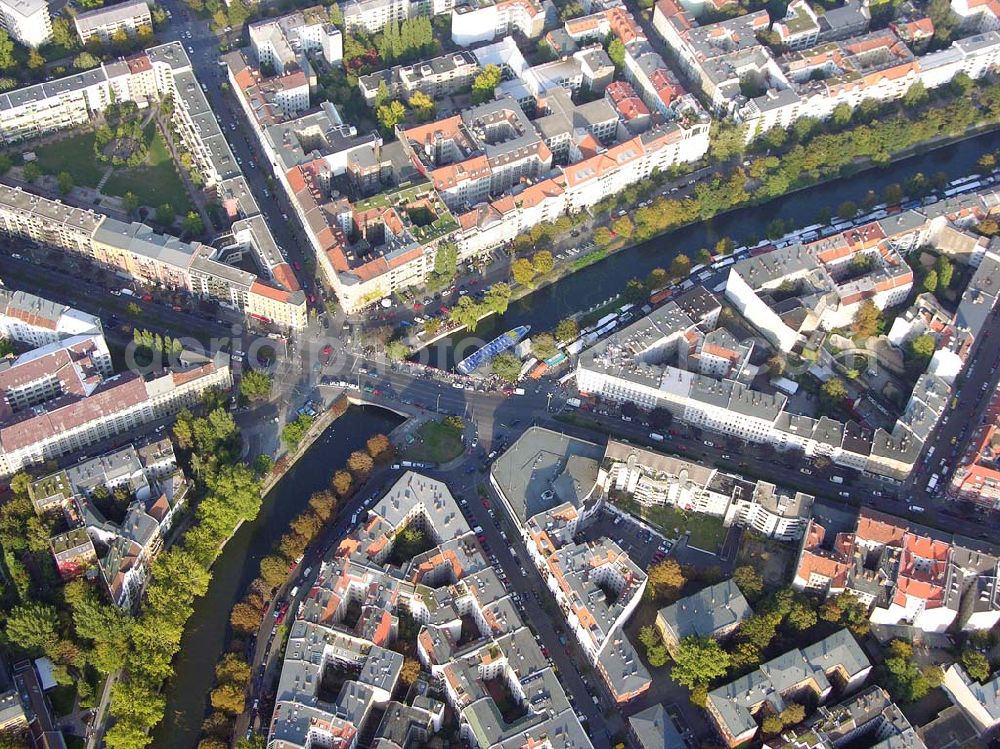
[(707, 531), (75, 155), (156, 183), (435, 443)]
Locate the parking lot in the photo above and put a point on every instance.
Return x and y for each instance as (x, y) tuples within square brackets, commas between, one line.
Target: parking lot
[(644, 546)]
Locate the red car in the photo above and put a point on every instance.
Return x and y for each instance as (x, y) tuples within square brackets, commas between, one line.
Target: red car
[(326, 353), (417, 305), (281, 615), (486, 504), (296, 265), (147, 297)]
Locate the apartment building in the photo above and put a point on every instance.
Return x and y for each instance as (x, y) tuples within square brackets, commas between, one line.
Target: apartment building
[(976, 16), (437, 77), (651, 478), (979, 702), (838, 661), (132, 17), (716, 611), (149, 476), (13, 718), (549, 484), (833, 61), (29, 319), (64, 397), (74, 553), (632, 110), (869, 717), (656, 362), (471, 641), (287, 41), (772, 512), (27, 21), (155, 259), (478, 21), (371, 16), (830, 290), (654, 728), (906, 576), (716, 56)]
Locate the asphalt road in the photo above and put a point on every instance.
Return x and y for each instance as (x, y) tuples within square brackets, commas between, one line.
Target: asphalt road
[(954, 438)]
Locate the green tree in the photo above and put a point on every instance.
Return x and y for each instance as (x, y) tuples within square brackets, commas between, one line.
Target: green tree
[(336, 16), (294, 431), (603, 237), (726, 139), (847, 210), (664, 578), (542, 262), (397, 350), (31, 170), (193, 225), (423, 105), (543, 346), (867, 319), (834, 390), (229, 698), (931, 281), (33, 627), (922, 347), (497, 298), (409, 542), (680, 267), (759, 629), (841, 115), (7, 59), (523, 271), (772, 724), (657, 656), (623, 227), (485, 84), (85, 61), (975, 665), (65, 182), (36, 62), (165, 214), (238, 13), (506, 366), (567, 330), (699, 660), (801, 616), (915, 96), (616, 51), (389, 115), (945, 270), (749, 581), (255, 385), (130, 202)]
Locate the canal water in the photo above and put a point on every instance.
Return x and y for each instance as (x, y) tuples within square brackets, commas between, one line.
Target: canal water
[(205, 635), (597, 283)]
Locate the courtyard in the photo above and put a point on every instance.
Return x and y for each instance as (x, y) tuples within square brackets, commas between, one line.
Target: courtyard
[(154, 180)]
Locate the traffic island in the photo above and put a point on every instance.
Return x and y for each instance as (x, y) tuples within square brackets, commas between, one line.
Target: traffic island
[(436, 441)]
